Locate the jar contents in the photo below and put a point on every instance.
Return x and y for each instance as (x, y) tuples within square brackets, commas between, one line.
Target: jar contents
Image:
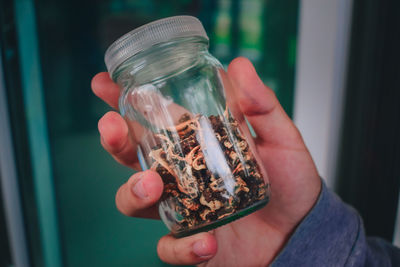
[(175, 97), (208, 170)]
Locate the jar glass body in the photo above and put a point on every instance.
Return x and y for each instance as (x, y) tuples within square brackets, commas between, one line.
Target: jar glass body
[(181, 111)]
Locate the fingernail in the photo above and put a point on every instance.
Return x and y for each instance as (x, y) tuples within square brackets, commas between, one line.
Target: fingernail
[(200, 249), (138, 189)]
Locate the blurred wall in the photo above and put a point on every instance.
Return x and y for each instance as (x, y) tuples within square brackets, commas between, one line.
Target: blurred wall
[(324, 30)]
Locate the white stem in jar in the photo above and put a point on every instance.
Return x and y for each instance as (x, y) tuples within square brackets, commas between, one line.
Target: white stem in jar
[(213, 154)]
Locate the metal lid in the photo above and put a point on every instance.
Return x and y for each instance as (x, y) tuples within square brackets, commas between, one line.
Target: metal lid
[(150, 34)]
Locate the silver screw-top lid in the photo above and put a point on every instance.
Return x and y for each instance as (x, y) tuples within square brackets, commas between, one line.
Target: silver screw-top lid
[(150, 34)]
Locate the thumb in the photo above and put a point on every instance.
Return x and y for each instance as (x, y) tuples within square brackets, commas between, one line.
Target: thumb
[(261, 107)]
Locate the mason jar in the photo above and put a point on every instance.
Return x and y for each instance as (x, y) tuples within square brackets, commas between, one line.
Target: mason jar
[(181, 111)]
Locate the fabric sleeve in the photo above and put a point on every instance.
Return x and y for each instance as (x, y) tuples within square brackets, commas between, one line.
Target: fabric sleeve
[(332, 234)]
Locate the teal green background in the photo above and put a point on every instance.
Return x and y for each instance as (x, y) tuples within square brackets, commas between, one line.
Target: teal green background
[(67, 43), (93, 232)]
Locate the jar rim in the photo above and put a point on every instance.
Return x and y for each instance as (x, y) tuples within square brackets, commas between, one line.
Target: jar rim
[(150, 34)]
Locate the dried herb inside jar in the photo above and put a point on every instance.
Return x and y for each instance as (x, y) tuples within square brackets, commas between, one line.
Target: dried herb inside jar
[(201, 194)]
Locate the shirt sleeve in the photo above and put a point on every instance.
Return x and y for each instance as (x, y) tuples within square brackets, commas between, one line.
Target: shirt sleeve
[(332, 234)]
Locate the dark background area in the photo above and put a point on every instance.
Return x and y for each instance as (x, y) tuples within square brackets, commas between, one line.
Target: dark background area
[(369, 161), (5, 254)]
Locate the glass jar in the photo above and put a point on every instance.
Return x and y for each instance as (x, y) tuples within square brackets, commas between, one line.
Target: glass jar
[(181, 111)]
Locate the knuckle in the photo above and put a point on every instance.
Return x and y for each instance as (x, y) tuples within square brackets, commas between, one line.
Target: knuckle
[(172, 251), (119, 146), (124, 201), (161, 250), (119, 207), (119, 201), (177, 253)]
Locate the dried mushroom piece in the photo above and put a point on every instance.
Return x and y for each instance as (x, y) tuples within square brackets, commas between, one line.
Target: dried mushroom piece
[(241, 186), (198, 163), (204, 213), (217, 185), (157, 155), (212, 204), (200, 195), (190, 204)]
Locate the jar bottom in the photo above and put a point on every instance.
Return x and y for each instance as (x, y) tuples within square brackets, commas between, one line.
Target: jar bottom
[(215, 224)]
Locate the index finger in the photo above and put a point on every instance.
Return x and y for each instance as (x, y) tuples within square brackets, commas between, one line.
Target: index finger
[(106, 89)]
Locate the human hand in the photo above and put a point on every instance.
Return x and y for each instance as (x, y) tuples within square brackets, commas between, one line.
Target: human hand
[(255, 239)]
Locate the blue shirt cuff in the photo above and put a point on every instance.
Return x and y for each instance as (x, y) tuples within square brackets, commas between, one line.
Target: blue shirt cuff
[(327, 236)]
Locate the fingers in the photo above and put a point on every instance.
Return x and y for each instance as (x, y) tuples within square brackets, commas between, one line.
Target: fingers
[(139, 195), (106, 89), (116, 141), (260, 106), (189, 250)]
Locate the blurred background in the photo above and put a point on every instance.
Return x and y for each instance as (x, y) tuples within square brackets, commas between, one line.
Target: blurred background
[(334, 66)]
